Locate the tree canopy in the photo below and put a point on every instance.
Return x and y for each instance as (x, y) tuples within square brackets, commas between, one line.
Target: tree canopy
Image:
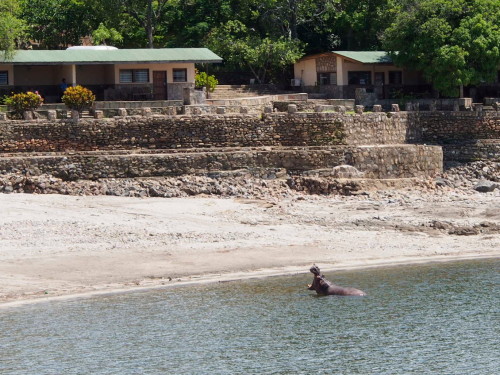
[(453, 42), (243, 48), (11, 27)]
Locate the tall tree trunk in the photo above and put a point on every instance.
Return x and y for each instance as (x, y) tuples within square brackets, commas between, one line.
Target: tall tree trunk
[(293, 19), (149, 23)]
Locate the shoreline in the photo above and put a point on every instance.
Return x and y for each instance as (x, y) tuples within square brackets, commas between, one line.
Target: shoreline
[(55, 247), (247, 275)]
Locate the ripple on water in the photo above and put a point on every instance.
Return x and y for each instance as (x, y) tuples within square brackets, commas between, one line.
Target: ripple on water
[(426, 319)]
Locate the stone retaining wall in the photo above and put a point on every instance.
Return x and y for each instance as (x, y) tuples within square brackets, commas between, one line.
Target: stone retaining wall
[(402, 161), (465, 136), (456, 126), (228, 130), (485, 149)]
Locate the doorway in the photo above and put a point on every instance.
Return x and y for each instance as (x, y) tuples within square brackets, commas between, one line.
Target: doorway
[(160, 85)]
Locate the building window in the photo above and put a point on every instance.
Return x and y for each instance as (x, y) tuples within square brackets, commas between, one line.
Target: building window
[(180, 75), (327, 79), (396, 77), (134, 75), (359, 78), (4, 77)]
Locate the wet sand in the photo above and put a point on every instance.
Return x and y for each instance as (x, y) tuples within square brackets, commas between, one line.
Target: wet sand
[(54, 246)]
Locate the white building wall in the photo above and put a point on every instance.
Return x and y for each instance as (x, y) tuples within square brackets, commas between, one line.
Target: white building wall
[(305, 70)]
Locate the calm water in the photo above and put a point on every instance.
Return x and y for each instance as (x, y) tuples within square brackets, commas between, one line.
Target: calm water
[(432, 319)]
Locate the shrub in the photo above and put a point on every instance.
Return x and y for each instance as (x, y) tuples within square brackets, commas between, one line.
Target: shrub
[(202, 79), (78, 98), (24, 101)]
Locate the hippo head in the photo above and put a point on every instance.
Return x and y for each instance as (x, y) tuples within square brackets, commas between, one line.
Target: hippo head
[(315, 269)]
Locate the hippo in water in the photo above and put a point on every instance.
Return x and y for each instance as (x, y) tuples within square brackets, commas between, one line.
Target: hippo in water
[(325, 288)]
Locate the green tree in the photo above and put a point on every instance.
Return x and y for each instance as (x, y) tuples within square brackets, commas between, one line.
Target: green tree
[(11, 27), (58, 23), (453, 42), (266, 58), (148, 14), (104, 35)]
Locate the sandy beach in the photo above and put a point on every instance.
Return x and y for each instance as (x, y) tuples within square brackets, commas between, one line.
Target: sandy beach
[(55, 246)]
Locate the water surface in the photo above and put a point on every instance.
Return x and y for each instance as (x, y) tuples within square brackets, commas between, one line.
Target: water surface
[(426, 319)]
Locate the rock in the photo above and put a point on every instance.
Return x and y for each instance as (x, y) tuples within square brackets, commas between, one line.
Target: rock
[(464, 231), (485, 186), (442, 182), (443, 225), (346, 171)]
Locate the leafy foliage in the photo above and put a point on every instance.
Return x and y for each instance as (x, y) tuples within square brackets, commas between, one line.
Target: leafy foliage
[(78, 98), (11, 27), (202, 79), (58, 23), (24, 101), (264, 57), (453, 42), (103, 35)]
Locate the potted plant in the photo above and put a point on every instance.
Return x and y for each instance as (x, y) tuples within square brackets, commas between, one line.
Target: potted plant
[(24, 103), (78, 98)]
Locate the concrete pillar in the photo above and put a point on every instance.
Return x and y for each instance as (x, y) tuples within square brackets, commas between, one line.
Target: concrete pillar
[(75, 115), (3, 116), (122, 112), (73, 74), (341, 109), (28, 115), (359, 109), (292, 108), (146, 111), (377, 108), (465, 103), (52, 114), (98, 114), (395, 108), (409, 106), (340, 72)]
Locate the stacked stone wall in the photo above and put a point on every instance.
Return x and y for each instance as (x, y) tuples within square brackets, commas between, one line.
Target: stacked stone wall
[(464, 136), (401, 161), (457, 126), (228, 130)]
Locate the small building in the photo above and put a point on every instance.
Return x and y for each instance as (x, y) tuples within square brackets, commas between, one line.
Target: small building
[(340, 73), (111, 73)]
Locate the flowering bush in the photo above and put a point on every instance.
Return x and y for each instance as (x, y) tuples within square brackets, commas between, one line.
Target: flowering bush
[(78, 98), (24, 101)]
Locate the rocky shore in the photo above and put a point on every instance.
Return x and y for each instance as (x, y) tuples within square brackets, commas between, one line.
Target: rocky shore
[(483, 176), (72, 237)]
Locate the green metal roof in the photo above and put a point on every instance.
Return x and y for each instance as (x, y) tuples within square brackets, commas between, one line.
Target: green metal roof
[(366, 57), (143, 55)]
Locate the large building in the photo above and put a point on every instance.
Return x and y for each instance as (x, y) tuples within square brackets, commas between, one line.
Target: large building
[(339, 73), (111, 73)]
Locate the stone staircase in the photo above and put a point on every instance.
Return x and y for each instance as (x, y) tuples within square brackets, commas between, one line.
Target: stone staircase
[(242, 91)]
